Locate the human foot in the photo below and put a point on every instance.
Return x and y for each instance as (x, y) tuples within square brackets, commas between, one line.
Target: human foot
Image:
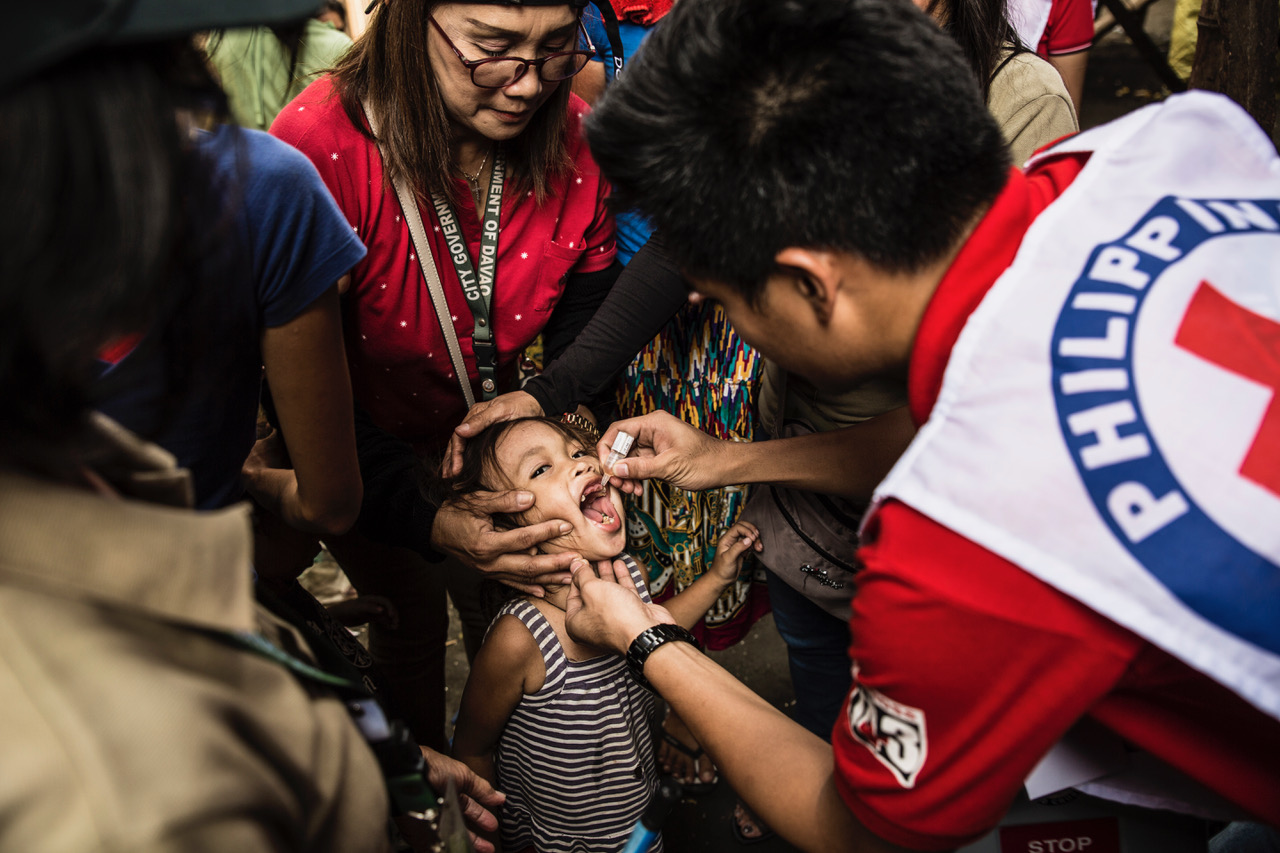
[(748, 828), (680, 755)]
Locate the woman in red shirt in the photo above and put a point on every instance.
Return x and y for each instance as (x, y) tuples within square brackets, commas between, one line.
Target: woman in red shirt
[(466, 109)]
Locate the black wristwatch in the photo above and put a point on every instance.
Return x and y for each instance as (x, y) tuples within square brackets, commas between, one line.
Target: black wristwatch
[(650, 639)]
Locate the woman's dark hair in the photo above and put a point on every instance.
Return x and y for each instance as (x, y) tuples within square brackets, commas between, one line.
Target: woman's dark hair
[(389, 65), (110, 224), (983, 31)]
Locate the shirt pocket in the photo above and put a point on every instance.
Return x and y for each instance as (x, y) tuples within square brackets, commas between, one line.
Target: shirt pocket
[(553, 271)]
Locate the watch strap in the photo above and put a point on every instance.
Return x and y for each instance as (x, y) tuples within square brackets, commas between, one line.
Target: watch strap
[(649, 640)]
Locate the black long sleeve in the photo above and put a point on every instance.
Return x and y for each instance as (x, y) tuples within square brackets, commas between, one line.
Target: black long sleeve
[(623, 317), (647, 294), (395, 510), (583, 295)]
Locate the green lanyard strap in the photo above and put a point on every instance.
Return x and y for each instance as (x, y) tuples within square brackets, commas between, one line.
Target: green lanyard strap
[(403, 767), (477, 284)]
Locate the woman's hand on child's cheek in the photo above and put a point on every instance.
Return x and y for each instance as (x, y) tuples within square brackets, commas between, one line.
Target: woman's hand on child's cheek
[(464, 528), (476, 796), (481, 416)]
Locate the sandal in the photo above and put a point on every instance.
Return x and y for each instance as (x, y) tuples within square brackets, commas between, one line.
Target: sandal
[(695, 786), (743, 815)]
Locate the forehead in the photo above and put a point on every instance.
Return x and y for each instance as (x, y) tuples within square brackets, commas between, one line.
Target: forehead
[(529, 437), (517, 20)]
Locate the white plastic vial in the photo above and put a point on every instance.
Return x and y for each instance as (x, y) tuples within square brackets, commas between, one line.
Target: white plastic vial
[(621, 447)]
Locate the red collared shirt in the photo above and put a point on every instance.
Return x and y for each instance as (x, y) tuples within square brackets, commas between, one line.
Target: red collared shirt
[(400, 367), (991, 664)]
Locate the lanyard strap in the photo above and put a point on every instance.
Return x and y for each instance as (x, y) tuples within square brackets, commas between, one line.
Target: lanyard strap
[(402, 764), (485, 353), (477, 281), (304, 671)]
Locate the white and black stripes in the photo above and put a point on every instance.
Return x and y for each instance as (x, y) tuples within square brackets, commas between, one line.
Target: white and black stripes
[(576, 758)]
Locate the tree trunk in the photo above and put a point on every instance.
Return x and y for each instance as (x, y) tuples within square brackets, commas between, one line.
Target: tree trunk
[(1236, 54)]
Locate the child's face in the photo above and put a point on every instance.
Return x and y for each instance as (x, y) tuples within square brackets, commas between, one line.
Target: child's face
[(565, 479)]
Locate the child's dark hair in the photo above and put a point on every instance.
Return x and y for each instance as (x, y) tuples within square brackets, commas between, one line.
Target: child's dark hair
[(478, 472)]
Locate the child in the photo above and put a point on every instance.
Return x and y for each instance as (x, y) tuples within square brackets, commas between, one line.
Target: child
[(561, 727)]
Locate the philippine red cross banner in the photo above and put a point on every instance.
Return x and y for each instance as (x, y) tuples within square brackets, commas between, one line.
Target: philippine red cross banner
[(1110, 417)]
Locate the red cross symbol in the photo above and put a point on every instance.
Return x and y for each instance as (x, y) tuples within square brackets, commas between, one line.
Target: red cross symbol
[(1248, 344)]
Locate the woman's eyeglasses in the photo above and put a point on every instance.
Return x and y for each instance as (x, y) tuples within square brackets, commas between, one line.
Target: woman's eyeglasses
[(499, 72)]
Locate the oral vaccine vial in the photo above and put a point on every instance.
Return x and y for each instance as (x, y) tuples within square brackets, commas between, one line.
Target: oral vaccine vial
[(621, 447)]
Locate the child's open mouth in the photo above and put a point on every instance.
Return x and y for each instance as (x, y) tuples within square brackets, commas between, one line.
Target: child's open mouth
[(599, 510)]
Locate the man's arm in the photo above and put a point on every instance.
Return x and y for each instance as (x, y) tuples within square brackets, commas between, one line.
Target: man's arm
[(849, 462), (782, 771)]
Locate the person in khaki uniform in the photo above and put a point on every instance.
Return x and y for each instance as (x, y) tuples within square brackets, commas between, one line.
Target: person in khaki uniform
[(146, 702), (126, 721)]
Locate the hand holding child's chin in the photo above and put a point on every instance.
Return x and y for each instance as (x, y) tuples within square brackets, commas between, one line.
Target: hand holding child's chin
[(604, 608)]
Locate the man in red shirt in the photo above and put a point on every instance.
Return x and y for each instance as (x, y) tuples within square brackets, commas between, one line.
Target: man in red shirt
[(1053, 547)]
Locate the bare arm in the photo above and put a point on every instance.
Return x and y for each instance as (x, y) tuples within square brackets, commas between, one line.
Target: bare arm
[(1072, 66), (692, 604), (783, 772), (307, 370), (850, 462), (499, 678)]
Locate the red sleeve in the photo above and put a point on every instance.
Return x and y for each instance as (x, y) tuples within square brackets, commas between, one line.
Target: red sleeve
[(349, 164), (966, 671), (1070, 28), (599, 237)]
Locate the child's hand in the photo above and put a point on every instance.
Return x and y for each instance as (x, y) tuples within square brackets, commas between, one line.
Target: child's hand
[(732, 548)]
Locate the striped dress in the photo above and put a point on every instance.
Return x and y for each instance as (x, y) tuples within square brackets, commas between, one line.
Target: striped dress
[(576, 758)]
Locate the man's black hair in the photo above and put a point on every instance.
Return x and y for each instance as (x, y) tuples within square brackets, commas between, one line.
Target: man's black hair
[(743, 127)]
